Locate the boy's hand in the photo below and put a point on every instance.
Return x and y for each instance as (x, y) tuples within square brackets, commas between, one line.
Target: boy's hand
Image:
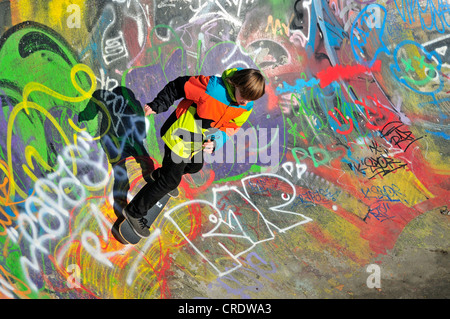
[(208, 147), (148, 110)]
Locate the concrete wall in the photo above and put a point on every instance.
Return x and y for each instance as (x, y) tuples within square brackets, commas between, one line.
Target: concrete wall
[(340, 189)]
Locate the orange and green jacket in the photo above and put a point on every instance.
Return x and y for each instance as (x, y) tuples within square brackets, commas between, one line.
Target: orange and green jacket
[(208, 108)]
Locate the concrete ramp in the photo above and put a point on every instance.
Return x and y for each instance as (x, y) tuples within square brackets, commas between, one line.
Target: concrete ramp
[(336, 186)]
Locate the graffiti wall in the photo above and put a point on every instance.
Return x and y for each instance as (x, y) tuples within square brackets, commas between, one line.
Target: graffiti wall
[(348, 147)]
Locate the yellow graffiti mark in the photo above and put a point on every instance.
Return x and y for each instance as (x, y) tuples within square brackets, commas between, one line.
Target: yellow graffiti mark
[(278, 27), (21, 10), (422, 188), (31, 152), (38, 87), (26, 105), (4, 168), (14, 113), (412, 191), (117, 145), (75, 127)]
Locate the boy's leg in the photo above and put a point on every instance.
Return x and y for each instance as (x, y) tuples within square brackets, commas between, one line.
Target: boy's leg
[(195, 165), (167, 178)]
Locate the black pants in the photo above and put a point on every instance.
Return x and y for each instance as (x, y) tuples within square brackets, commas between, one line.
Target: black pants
[(167, 178)]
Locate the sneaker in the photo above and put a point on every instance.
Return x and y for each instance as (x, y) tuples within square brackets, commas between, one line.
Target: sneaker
[(173, 193), (139, 225)]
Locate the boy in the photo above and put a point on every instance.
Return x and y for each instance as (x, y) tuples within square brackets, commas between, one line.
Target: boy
[(210, 105)]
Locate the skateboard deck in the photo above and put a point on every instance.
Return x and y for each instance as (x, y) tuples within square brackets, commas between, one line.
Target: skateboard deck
[(127, 232)]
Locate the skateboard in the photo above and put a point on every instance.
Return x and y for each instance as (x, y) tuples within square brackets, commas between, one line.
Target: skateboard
[(127, 232)]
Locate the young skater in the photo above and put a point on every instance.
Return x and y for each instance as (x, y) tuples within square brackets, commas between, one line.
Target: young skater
[(211, 106)]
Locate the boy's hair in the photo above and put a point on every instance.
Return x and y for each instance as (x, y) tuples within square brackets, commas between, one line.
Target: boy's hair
[(250, 82)]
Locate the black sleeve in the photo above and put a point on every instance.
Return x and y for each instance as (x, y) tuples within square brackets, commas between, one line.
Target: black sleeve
[(173, 91)]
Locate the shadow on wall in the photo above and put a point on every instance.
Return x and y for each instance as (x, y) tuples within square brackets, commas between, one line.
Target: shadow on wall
[(123, 133)]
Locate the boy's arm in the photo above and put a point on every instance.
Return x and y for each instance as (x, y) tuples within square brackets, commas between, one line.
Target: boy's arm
[(173, 91)]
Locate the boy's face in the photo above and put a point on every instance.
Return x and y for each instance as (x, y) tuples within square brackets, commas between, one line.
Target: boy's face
[(239, 99)]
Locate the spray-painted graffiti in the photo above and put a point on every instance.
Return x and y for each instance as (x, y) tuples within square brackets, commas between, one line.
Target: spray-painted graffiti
[(234, 217), (346, 148)]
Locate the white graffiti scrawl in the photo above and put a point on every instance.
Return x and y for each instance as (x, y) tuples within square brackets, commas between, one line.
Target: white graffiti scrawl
[(234, 224)]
